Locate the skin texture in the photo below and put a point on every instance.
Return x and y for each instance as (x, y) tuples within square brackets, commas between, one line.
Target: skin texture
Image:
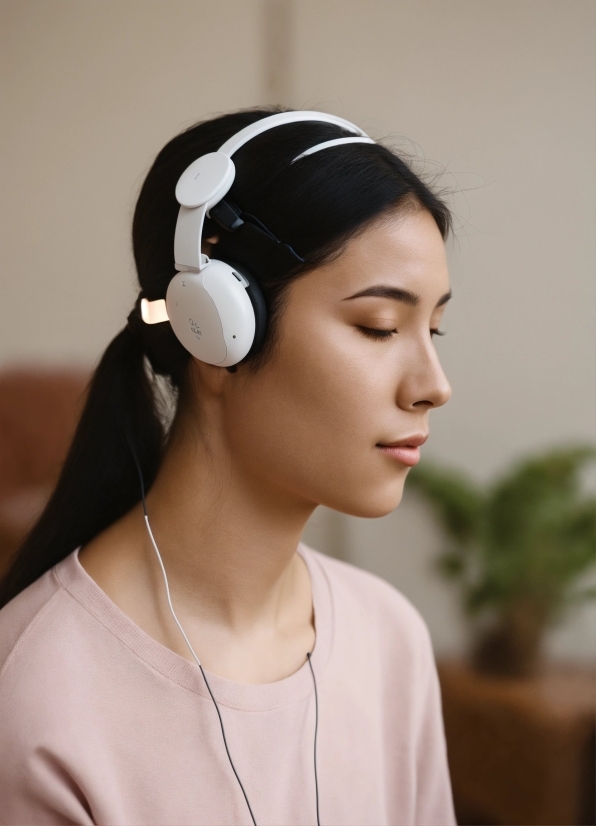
[(252, 455)]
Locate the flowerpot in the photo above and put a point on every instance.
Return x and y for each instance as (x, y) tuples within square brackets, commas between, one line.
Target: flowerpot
[(512, 646)]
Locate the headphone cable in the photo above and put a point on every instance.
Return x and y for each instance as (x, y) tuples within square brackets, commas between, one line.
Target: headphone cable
[(316, 729), (198, 662), (165, 578)]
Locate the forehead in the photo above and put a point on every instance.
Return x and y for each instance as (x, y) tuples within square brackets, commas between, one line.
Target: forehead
[(399, 250)]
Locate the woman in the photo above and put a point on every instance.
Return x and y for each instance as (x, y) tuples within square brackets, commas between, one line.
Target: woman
[(125, 701)]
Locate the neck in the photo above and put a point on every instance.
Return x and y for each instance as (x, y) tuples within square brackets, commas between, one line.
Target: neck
[(227, 536)]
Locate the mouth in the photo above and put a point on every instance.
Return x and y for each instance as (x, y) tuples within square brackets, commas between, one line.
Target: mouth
[(405, 450)]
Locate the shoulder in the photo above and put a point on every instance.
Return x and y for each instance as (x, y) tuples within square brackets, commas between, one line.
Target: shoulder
[(42, 652), (41, 675), (31, 639), (377, 604), (22, 617)]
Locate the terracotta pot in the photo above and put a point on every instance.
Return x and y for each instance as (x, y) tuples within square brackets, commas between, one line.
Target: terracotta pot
[(512, 647)]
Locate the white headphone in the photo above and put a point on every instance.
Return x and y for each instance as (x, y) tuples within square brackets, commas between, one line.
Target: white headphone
[(217, 312)]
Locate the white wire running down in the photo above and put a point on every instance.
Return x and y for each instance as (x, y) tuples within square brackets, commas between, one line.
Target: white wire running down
[(198, 662), (165, 579)]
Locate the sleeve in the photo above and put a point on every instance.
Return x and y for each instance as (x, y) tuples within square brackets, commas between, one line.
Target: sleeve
[(39, 790), (434, 799)]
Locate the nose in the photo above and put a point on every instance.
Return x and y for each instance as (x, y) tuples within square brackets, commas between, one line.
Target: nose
[(424, 383)]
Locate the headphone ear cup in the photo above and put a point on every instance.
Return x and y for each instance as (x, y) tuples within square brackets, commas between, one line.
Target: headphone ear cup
[(212, 314), (259, 306)]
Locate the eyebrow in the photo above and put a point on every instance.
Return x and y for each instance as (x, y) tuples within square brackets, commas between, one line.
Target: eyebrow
[(398, 294)]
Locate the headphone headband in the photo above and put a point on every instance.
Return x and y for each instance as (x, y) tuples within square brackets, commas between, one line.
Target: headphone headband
[(264, 124), (207, 180), (329, 144)]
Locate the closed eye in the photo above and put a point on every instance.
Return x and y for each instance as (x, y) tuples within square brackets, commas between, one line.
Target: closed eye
[(372, 332)]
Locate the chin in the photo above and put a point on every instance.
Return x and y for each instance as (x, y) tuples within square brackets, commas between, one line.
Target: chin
[(373, 505)]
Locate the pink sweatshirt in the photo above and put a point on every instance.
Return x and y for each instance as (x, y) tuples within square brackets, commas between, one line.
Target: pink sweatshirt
[(102, 724)]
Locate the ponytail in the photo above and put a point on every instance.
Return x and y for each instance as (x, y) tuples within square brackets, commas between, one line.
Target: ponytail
[(99, 481)]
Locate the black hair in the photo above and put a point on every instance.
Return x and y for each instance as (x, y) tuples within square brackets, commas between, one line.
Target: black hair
[(314, 206)]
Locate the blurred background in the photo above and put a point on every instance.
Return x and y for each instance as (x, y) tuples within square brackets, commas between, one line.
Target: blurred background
[(494, 101)]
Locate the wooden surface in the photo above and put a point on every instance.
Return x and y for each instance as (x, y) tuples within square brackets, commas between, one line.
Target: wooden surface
[(39, 409), (521, 750)]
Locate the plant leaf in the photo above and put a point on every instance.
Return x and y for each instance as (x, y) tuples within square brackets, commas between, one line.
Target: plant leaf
[(456, 500)]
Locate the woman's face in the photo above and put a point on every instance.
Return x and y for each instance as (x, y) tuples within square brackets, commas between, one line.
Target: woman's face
[(354, 368)]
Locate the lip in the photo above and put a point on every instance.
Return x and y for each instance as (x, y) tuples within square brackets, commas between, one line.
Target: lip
[(406, 450), (415, 440)]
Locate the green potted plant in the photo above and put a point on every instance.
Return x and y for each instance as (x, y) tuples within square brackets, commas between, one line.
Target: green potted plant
[(517, 549)]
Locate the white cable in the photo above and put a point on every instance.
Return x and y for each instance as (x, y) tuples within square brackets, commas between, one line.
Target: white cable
[(165, 578)]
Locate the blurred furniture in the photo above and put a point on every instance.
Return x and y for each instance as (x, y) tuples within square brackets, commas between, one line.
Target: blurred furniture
[(39, 409), (521, 749)]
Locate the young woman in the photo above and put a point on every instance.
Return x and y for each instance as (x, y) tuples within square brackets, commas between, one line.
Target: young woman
[(155, 651)]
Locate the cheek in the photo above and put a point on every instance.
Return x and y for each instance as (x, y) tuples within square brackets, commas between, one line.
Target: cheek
[(310, 418)]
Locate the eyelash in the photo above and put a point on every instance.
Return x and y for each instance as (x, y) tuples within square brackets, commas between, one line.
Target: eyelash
[(372, 332)]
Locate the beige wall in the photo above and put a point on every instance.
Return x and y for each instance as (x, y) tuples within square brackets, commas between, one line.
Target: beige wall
[(499, 94), (92, 92)]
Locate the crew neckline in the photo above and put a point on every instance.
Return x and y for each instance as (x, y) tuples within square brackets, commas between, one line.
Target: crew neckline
[(242, 696)]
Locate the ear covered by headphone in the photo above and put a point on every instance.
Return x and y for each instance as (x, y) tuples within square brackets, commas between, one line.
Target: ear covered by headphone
[(216, 308), (218, 314)]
